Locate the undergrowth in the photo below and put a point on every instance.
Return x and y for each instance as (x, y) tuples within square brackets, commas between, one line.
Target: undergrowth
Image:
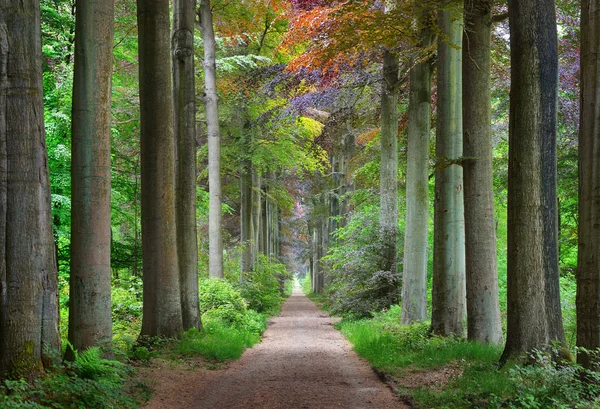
[(89, 382), (476, 380), (218, 342), (234, 316)]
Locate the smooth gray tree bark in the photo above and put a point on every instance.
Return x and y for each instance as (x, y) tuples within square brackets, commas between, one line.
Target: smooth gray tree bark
[(184, 98), (483, 307), (215, 242), (90, 309), (414, 276), (388, 185), (162, 297), (246, 215), (449, 293)]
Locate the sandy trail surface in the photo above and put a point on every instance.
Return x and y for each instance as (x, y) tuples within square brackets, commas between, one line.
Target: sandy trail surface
[(302, 362)]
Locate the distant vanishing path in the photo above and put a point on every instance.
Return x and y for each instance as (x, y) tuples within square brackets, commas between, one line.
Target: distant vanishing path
[(302, 362)]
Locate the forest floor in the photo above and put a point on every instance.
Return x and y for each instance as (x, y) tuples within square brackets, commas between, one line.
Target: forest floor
[(302, 362)]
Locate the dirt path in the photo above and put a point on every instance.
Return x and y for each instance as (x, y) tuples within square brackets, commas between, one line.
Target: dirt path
[(302, 362)]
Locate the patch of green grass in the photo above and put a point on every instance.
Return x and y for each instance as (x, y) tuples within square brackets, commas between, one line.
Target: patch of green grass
[(218, 341), (393, 349), (478, 381)]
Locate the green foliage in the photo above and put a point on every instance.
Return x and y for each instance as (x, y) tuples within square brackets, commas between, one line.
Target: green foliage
[(220, 300), (127, 298), (359, 287), (477, 381), (142, 354), (289, 287), (237, 63), (219, 341), (89, 382), (261, 288), (568, 295), (306, 284)]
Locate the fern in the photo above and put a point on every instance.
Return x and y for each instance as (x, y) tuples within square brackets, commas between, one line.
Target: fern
[(241, 63), (90, 365)]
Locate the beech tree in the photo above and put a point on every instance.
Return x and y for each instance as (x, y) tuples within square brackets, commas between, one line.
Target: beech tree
[(90, 316), (388, 186), (414, 276), (588, 261), (483, 306), (449, 299), (162, 299), (214, 140), (184, 103), (533, 293), (28, 278)]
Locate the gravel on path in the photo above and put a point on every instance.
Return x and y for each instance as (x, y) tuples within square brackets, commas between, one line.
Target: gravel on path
[(302, 362)]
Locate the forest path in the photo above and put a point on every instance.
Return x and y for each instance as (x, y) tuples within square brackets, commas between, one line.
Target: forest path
[(302, 362)]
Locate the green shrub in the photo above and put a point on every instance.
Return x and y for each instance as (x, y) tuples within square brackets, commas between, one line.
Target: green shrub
[(255, 322), (262, 287), (359, 286), (220, 300), (126, 299), (306, 284)]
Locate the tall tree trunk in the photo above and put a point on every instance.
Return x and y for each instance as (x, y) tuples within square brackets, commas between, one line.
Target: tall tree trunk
[(215, 243), (256, 214), (28, 278), (449, 298), (325, 278), (90, 313), (588, 263), (263, 242), (534, 314), (414, 277), (349, 147), (162, 297), (317, 253), (388, 186), (483, 307), (184, 103), (246, 214)]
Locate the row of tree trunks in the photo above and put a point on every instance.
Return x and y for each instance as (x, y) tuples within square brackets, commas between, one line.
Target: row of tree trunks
[(329, 209), (28, 278), (260, 219), (90, 317), (534, 315)]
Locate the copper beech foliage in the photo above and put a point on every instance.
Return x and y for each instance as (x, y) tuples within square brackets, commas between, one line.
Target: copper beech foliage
[(333, 34)]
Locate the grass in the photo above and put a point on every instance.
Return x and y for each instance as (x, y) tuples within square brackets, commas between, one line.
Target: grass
[(477, 381), (218, 342)]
